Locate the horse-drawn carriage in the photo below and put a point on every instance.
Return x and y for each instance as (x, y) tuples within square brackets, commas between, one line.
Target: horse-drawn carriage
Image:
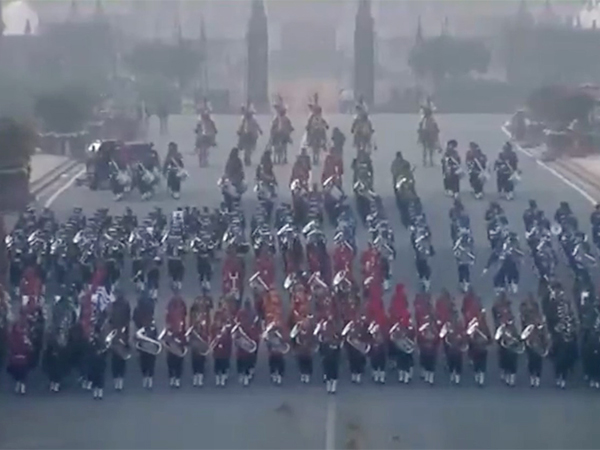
[(565, 120)]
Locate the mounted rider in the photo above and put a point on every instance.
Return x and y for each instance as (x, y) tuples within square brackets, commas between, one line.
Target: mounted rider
[(428, 132), (264, 170), (281, 131), (206, 130), (248, 132), (362, 128), (477, 168), (316, 129)]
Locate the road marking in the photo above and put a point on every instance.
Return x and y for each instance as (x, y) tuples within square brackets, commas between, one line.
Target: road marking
[(545, 166), (63, 188), (330, 424)]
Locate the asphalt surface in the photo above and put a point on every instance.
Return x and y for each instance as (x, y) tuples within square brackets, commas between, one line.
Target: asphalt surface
[(298, 416)]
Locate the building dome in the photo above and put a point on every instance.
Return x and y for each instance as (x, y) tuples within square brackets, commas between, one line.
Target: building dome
[(16, 16)]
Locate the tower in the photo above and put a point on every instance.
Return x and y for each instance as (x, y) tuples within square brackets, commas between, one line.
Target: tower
[(2, 26), (257, 40), (364, 53)]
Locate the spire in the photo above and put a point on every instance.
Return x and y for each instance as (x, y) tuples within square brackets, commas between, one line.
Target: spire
[(27, 28), (419, 36), (364, 8), (2, 26), (445, 27), (202, 34), (99, 9), (258, 8), (74, 10)]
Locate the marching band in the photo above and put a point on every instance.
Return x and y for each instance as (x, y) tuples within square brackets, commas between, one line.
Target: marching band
[(333, 312)]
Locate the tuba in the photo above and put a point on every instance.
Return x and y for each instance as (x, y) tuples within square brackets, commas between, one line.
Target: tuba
[(242, 340), (274, 339), (145, 344), (400, 338), (349, 336), (118, 343), (173, 344), (505, 336), (537, 339)]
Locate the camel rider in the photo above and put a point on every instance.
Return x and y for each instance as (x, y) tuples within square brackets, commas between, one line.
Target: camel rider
[(362, 128), (281, 126), (401, 169), (174, 157), (264, 171), (234, 169), (206, 130)]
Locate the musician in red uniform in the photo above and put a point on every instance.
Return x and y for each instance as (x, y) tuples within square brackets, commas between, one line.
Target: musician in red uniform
[(221, 343), (400, 314), (330, 344), (371, 264), (356, 336), (120, 317), (343, 257), (333, 166), (277, 346), (233, 274), (377, 331), (19, 354), (427, 336), (97, 362), (478, 334), (244, 334), (200, 321), (176, 321)]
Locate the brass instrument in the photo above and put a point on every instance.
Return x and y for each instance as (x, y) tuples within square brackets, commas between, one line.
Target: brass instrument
[(145, 344), (537, 338), (475, 333), (447, 333), (348, 336), (197, 343), (341, 281), (297, 333), (257, 283), (242, 340), (483, 174), (505, 336), (118, 344), (274, 339), (172, 343), (400, 338)]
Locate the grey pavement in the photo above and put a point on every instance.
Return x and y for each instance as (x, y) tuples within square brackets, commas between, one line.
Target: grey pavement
[(298, 416), (43, 164)]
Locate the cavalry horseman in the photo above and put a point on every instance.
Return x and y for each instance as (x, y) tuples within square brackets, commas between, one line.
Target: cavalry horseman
[(477, 169), (281, 132), (507, 171), (248, 133), (206, 133), (451, 170), (362, 129), (428, 133), (316, 130), (174, 170)]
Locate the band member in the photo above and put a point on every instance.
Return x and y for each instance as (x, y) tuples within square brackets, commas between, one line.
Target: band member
[(330, 344), (536, 338), (199, 335), (427, 337), (221, 344), (234, 169), (401, 169), (119, 320), (19, 354), (175, 333), (508, 256), (281, 131), (509, 341), (477, 166), (303, 340), (355, 334), (333, 166), (465, 256), (402, 335), (54, 362), (148, 359), (301, 169), (97, 363), (478, 334), (246, 335), (451, 169), (507, 171), (173, 170)]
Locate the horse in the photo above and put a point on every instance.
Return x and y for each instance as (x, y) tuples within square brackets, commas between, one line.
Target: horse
[(429, 138)]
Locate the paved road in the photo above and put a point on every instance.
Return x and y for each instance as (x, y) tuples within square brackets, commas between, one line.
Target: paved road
[(295, 416)]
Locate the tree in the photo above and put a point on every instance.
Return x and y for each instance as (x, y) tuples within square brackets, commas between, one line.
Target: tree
[(176, 62), (446, 55), (67, 109), (18, 141)]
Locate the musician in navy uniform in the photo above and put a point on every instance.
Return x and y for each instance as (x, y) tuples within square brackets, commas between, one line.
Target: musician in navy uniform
[(476, 166), (97, 362), (120, 317), (508, 255), (176, 329), (143, 318), (451, 170), (465, 257), (330, 343), (507, 168)]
